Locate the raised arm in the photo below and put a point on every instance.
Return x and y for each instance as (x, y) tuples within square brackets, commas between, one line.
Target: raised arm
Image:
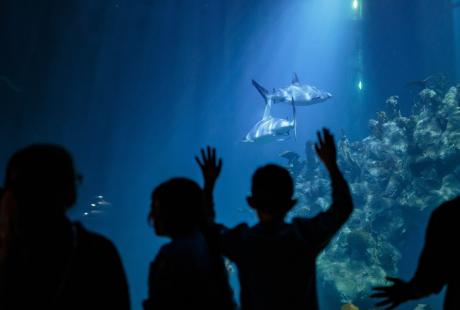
[(323, 226), (342, 204), (225, 241), (432, 269), (210, 168)]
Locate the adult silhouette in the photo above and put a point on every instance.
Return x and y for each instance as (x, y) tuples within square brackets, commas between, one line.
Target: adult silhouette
[(50, 262), (438, 266)]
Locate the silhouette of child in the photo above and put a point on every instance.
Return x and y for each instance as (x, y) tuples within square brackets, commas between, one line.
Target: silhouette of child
[(438, 266), (276, 261), (187, 273)]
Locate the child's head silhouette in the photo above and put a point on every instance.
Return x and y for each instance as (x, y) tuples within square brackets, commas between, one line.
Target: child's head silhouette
[(177, 207), (272, 190)]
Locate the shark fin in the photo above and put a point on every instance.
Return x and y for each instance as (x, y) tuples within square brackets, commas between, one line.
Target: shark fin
[(246, 140), (295, 79), (294, 118), (261, 90)]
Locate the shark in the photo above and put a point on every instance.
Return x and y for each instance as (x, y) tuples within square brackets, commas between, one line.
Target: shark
[(271, 129), (303, 95)]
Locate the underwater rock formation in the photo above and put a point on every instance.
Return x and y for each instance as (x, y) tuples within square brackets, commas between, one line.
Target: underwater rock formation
[(406, 167)]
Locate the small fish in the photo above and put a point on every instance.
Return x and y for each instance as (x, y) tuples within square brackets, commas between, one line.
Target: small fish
[(290, 156), (421, 84)]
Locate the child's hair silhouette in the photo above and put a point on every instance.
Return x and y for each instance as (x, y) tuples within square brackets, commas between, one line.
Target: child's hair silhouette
[(177, 207), (272, 190)]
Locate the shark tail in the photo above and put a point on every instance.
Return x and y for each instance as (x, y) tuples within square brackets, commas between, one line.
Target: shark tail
[(261, 90)]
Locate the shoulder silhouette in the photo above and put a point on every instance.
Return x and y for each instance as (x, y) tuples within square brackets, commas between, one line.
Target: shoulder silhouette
[(187, 273), (438, 266), (52, 263), (275, 259)]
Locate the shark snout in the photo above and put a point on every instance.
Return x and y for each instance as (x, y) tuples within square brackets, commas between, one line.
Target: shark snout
[(326, 96)]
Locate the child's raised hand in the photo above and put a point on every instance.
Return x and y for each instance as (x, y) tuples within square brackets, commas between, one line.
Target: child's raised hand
[(210, 167), (326, 150)]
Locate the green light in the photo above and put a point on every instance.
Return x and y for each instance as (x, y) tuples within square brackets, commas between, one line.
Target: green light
[(360, 85), (355, 5)]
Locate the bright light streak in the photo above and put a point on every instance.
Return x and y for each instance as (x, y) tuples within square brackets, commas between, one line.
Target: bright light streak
[(360, 85), (355, 4)]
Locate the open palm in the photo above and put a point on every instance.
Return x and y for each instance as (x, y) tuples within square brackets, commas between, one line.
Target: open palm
[(325, 149), (210, 167)]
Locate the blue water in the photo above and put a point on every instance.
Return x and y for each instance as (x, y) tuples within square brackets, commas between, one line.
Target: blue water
[(135, 88)]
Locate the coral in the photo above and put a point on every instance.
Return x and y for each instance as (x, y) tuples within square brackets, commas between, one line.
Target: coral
[(406, 166), (393, 107)]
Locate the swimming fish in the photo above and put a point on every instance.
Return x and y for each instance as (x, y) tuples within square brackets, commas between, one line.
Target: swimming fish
[(302, 95), (271, 129), (421, 84)]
